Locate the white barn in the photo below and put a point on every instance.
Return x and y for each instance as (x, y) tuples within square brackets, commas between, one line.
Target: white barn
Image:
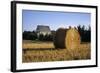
[(41, 29)]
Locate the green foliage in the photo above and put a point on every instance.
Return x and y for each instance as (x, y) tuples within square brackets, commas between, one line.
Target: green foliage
[(85, 34), (47, 37), (41, 37), (27, 35)]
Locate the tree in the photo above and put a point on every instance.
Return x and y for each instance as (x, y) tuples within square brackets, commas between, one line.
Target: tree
[(41, 36), (85, 34), (34, 34), (28, 35)]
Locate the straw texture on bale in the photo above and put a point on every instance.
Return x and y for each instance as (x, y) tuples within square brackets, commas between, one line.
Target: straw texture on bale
[(59, 39), (72, 39)]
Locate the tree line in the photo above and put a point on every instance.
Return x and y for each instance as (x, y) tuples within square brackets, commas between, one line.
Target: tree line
[(32, 35), (84, 33)]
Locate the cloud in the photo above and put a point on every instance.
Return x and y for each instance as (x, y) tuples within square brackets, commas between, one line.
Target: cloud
[(67, 25)]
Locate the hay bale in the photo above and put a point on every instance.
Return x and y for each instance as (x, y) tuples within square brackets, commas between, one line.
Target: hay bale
[(59, 39), (72, 39)]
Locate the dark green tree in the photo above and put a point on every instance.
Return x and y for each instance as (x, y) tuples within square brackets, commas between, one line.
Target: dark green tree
[(84, 33), (41, 37), (28, 35)]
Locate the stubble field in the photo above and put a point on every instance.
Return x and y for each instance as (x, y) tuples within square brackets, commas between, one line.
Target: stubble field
[(37, 51)]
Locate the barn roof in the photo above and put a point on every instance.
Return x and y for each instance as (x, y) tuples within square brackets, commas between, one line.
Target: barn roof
[(43, 28)]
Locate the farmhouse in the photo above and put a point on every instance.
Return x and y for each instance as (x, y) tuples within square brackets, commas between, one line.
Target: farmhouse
[(41, 29)]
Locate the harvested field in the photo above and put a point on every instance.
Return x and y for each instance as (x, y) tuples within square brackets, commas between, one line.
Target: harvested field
[(37, 45), (37, 51)]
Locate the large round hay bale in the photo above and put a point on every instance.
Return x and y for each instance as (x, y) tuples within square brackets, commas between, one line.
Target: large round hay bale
[(59, 39), (72, 39)]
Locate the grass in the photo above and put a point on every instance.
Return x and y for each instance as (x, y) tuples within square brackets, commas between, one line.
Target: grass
[(44, 51)]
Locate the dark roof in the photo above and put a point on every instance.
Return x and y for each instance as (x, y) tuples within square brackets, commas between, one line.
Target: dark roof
[(43, 28)]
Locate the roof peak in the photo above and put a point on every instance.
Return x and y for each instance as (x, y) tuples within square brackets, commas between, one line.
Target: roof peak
[(42, 25)]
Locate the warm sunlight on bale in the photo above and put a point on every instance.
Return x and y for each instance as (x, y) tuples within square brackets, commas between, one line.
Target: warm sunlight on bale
[(72, 39), (59, 39)]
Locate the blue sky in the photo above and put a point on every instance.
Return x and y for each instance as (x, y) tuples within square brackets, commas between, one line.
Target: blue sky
[(55, 20)]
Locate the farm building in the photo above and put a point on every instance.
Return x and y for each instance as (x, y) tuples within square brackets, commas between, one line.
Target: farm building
[(41, 29)]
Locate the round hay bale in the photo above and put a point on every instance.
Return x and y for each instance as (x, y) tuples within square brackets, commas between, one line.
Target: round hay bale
[(72, 39), (59, 39)]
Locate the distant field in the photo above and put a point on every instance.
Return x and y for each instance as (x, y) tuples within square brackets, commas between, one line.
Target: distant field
[(37, 44), (37, 51)]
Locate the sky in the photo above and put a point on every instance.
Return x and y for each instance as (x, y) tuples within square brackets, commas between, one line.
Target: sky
[(53, 19)]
